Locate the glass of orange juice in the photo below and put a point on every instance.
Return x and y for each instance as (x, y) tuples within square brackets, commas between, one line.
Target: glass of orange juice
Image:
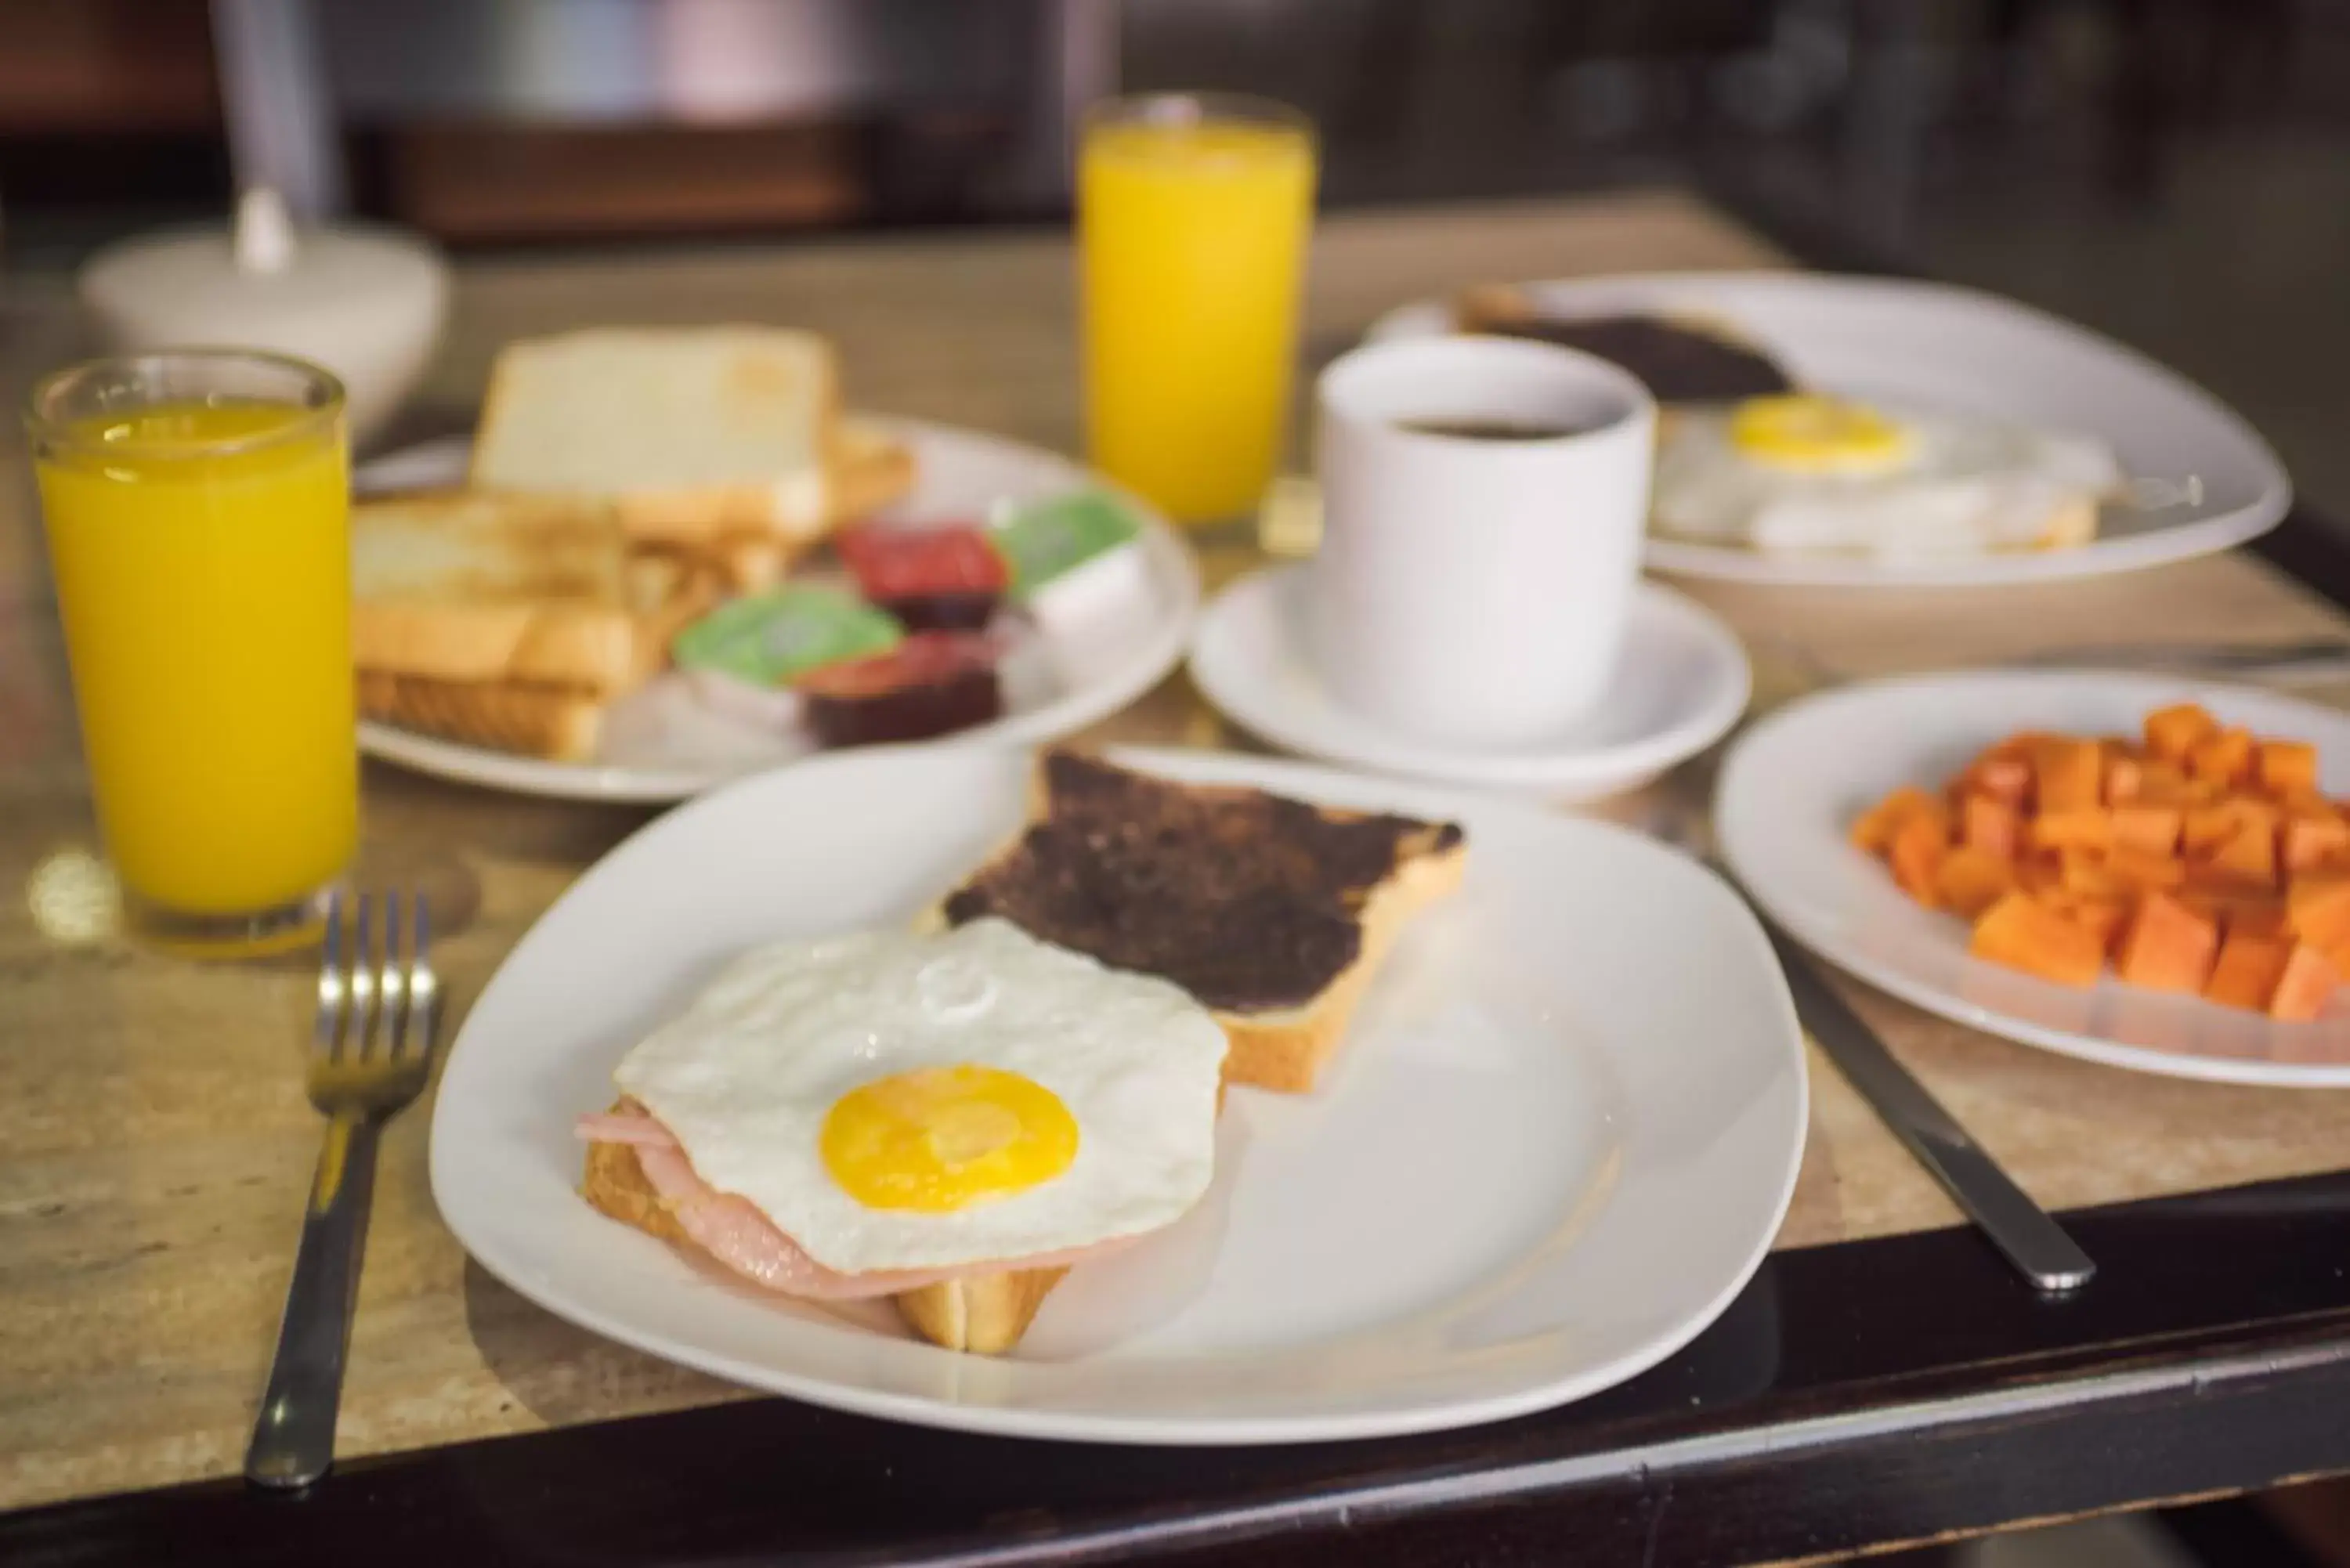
[(197, 506), (1193, 210)]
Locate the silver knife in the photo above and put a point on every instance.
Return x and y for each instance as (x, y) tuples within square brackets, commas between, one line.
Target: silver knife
[(2316, 659), (2018, 1227)]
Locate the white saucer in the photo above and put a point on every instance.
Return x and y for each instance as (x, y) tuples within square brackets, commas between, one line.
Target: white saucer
[(1681, 683)]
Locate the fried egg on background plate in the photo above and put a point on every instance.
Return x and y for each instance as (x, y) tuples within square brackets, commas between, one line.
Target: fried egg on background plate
[(893, 1101), (1806, 473)]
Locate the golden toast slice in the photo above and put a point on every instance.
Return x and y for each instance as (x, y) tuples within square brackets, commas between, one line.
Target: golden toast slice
[(1273, 913)]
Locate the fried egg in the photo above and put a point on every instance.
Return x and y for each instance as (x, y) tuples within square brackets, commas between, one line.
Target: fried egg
[(1804, 472), (891, 1101)]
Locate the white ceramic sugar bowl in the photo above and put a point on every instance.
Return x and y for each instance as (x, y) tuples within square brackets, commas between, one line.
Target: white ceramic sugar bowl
[(365, 301)]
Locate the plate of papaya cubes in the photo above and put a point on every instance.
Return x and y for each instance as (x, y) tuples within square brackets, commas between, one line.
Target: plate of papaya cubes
[(2142, 872)]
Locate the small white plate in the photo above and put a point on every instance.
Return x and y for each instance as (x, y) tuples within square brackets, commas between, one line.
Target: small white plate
[(1544, 1161), (1791, 785), (1939, 346), (662, 745), (1682, 680)]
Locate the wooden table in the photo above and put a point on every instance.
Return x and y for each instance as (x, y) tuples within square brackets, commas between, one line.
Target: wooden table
[(1884, 1378)]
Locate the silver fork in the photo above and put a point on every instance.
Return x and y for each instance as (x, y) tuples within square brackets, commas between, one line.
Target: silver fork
[(371, 1052)]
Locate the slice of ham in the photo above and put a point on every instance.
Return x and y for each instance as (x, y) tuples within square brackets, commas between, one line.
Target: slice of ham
[(733, 1231)]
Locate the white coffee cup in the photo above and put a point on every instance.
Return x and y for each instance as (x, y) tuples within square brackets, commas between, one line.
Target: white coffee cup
[(1473, 590)]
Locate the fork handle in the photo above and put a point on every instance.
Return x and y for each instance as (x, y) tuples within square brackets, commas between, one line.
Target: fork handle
[(294, 1435)]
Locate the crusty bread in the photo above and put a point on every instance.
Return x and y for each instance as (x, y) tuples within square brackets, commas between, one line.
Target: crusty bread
[(984, 1312), (560, 723), (465, 587), (1287, 1048), (691, 433), (870, 469)]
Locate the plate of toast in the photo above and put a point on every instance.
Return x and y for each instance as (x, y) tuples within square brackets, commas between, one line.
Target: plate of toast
[(666, 558), (1830, 432), (1147, 1097)]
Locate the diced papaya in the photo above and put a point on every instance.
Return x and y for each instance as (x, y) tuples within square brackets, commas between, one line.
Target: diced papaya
[(2222, 758), (2149, 830), (2265, 918), (2135, 870), (2318, 909), (2002, 775), (2312, 841), (1969, 880), (2163, 783), (2305, 986), (2172, 733), (1915, 853), (2206, 828), (1992, 826), (2069, 776), (2124, 777), (2168, 947), (2040, 871), (2247, 971), (1874, 828), (2283, 765), (2085, 874), (2081, 828), (2103, 918), (2023, 933), (2250, 857), (2223, 898)]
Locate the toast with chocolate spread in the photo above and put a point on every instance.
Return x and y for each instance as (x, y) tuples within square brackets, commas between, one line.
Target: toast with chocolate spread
[(1273, 913)]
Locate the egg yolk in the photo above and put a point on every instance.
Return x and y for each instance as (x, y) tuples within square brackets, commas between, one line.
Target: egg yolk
[(939, 1139), (1806, 434)]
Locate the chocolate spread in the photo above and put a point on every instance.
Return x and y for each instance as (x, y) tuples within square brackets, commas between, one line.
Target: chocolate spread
[(1247, 901), (1678, 364)]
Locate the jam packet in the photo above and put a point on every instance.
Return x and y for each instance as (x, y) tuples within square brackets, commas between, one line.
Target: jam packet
[(773, 638), (933, 683), (1076, 559), (945, 577)]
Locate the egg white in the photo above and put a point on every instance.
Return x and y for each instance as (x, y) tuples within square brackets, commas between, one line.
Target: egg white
[(746, 1075), (1968, 486)]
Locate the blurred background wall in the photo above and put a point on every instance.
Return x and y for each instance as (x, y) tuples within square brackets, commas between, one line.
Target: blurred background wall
[(2176, 171)]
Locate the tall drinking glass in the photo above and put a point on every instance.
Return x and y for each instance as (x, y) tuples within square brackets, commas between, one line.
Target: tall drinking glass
[(197, 506), (1192, 216)]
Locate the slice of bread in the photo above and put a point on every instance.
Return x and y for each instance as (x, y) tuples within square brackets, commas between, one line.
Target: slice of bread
[(558, 724), (1682, 356), (986, 1314), (691, 433), (468, 588), (1274, 913), (870, 469)]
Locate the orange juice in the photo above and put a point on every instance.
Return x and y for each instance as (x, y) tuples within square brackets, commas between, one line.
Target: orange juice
[(1192, 220), (202, 551)]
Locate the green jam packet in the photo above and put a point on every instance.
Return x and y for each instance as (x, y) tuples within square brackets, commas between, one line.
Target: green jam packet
[(1044, 540), (774, 637)]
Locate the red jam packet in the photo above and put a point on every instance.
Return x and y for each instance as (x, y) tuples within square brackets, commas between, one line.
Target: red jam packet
[(919, 563), (933, 683)]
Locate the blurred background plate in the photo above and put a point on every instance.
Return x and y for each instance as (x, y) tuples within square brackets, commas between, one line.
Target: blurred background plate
[(663, 745), (1937, 347)]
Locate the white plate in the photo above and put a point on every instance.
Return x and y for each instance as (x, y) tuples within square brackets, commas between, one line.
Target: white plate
[(1791, 785), (1682, 680), (1941, 347), (662, 745), (1545, 1160)]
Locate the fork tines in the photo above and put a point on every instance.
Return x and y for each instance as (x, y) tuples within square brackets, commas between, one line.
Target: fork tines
[(379, 1002)]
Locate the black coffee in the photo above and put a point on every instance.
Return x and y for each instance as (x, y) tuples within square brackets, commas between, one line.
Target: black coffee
[(1493, 430)]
